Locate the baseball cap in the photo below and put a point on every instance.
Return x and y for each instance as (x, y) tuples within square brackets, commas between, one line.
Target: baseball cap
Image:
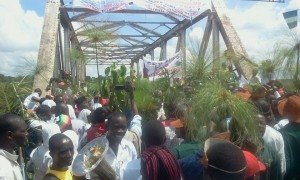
[(178, 123), (254, 166)]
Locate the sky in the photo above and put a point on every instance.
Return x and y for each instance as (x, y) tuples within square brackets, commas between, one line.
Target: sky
[(259, 25)]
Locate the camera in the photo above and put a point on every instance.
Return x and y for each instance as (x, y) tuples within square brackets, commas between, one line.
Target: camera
[(127, 86), (119, 87)]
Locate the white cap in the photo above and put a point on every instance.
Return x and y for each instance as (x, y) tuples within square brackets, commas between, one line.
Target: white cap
[(34, 123)]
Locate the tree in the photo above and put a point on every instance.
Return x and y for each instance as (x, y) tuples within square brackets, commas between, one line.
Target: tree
[(98, 35), (290, 64)]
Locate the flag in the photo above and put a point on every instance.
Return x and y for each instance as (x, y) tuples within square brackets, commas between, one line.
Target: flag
[(291, 18)]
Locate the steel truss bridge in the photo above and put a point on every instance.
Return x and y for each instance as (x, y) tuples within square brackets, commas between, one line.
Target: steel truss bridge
[(134, 35)]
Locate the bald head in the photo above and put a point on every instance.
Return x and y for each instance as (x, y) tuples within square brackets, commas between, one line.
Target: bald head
[(61, 150), (57, 140)]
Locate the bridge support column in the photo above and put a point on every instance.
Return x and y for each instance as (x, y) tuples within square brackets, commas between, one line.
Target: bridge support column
[(47, 50)]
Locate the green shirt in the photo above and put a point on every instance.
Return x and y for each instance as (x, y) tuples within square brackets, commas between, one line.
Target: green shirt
[(186, 148), (270, 159), (291, 138)]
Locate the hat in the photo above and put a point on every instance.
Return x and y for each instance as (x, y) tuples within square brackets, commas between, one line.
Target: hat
[(290, 107), (64, 122), (34, 123), (244, 95), (224, 159), (61, 83), (254, 166), (178, 123)]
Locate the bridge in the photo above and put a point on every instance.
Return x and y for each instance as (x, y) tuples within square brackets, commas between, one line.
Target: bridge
[(73, 37)]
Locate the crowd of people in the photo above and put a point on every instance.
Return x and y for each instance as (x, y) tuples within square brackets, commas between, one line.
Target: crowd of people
[(153, 150)]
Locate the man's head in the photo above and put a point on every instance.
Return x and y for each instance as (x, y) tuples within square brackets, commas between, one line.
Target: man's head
[(264, 108), (223, 160), (43, 112), (61, 150), (61, 109), (97, 98), (116, 126), (154, 133), (13, 131), (82, 103), (38, 90), (58, 99), (99, 115)]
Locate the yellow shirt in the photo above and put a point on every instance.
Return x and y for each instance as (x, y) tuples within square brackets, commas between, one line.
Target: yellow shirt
[(61, 175)]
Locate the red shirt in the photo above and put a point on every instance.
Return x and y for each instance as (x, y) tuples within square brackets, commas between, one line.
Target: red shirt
[(95, 131)]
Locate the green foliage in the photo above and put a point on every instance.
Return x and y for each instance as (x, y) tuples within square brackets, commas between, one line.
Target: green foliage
[(12, 96), (267, 69), (77, 57), (113, 77), (213, 102), (145, 99)]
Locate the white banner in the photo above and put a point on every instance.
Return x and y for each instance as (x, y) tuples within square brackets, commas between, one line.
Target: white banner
[(105, 5), (172, 65), (183, 8)]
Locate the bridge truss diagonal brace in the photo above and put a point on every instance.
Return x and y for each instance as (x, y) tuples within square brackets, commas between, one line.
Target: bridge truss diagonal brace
[(171, 33)]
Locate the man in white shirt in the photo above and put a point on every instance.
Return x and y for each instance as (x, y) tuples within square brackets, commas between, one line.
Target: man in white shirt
[(120, 151), (40, 157), (59, 99), (274, 139), (31, 100), (13, 132), (84, 110)]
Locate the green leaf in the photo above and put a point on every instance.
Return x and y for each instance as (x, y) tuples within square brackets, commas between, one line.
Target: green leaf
[(107, 71)]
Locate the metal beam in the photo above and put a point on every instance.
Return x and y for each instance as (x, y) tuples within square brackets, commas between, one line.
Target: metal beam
[(173, 32), (145, 29), (205, 38), (216, 43), (183, 48), (95, 28), (127, 35), (135, 40), (135, 11), (125, 22), (109, 58), (126, 64), (77, 9), (111, 54), (82, 16)]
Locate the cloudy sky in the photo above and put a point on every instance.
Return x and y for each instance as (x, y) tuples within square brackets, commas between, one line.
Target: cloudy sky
[(259, 24)]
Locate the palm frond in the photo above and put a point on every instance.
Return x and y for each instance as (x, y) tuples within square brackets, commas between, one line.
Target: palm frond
[(215, 103)]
